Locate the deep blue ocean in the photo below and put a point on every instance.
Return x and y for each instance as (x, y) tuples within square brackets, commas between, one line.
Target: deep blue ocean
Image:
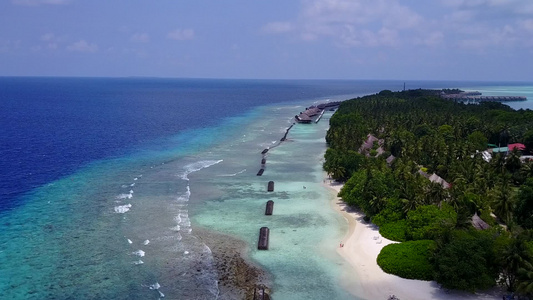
[(76, 154), (51, 127)]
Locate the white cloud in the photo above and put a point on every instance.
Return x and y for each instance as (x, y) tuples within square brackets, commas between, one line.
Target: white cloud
[(354, 23), (51, 40), (277, 27), (498, 24), (140, 38), (432, 39), (82, 46), (39, 2), (503, 6), (527, 25), (48, 37), (9, 45), (181, 34)]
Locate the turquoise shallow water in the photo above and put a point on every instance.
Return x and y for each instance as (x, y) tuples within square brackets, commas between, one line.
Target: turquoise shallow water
[(124, 228), (304, 229)]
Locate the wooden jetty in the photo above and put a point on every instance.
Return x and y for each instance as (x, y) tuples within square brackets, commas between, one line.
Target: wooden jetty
[(306, 116), (330, 105), (269, 208), (476, 97), (264, 233), (260, 173), (270, 186), (319, 117)]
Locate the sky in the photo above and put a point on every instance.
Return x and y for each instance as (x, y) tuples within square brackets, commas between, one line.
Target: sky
[(269, 39)]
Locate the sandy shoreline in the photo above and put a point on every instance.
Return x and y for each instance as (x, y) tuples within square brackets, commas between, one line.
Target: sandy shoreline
[(362, 245)]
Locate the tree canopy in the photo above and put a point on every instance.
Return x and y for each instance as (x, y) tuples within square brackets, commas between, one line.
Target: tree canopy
[(433, 177)]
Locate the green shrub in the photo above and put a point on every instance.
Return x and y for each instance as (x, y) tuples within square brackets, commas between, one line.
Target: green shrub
[(409, 260), (467, 262), (485, 216), (429, 221), (394, 230)]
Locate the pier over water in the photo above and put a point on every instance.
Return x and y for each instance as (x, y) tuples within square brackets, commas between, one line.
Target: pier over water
[(477, 97)]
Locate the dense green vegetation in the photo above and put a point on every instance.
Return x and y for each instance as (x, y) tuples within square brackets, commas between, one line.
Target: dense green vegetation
[(409, 259), (428, 136)]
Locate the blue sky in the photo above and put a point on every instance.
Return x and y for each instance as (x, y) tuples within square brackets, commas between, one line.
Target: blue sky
[(302, 39)]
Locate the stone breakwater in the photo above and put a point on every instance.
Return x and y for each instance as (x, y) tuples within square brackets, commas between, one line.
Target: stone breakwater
[(237, 276)]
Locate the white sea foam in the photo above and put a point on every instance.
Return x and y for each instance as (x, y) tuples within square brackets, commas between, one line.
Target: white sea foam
[(124, 186), (155, 286), (131, 192), (186, 252), (133, 184), (129, 241), (121, 209), (185, 196), (197, 166), (139, 253), (175, 237), (135, 178), (183, 220), (138, 262), (124, 196), (146, 242), (231, 175)]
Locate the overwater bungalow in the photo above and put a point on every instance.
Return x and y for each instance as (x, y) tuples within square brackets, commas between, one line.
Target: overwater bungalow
[(303, 118)]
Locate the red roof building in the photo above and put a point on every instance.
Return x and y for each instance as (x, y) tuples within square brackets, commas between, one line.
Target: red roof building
[(519, 147)]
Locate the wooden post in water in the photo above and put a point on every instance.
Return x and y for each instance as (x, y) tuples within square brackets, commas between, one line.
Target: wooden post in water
[(270, 186), (260, 172), (263, 238), (269, 208)]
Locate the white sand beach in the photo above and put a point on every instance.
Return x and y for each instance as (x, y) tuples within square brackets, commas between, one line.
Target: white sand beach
[(362, 245)]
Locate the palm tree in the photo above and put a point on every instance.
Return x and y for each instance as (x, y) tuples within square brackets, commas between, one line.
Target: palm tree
[(527, 169), (503, 204), (435, 193), (514, 257), (525, 281), (338, 172)]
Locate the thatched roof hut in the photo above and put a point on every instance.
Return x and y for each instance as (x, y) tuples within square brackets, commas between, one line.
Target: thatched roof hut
[(436, 178), (303, 118), (478, 223)]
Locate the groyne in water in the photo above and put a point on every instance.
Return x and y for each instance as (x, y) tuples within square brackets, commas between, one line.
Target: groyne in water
[(265, 151), (269, 208), (264, 233)]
